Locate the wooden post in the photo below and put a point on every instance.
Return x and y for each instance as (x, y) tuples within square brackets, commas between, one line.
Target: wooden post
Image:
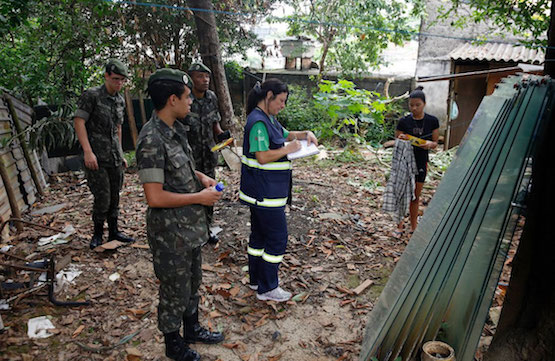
[(142, 108), (131, 116), (11, 195), (23, 143)]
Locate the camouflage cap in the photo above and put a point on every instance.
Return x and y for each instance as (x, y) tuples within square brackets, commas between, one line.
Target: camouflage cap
[(171, 75), (199, 67), (116, 66)]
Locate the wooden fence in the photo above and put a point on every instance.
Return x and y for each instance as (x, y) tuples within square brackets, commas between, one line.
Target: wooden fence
[(22, 179)]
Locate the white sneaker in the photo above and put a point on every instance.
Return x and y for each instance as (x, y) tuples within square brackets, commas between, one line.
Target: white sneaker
[(253, 287), (277, 294)]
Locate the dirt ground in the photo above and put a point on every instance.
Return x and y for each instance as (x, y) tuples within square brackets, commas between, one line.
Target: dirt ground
[(338, 239)]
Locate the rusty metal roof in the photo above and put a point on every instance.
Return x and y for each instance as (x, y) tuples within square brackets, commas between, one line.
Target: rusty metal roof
[(498, 52)]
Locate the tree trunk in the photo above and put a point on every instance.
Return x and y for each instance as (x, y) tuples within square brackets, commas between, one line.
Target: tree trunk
[(526, 329), (323, 59), (325, 48), (210, 51)]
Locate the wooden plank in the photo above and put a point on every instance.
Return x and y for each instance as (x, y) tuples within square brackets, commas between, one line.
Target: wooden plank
[(7, 157), (130, 116), (31, 199), (9, 161), (21, 165), (22, 205), (5, 114), (21, 107), (12, 170), (25, 118), (12, 195), (5, 125), (29, 186), (20, 126), (5, 209), (38, 165), (15, 182), (17, 153), (5, 212)]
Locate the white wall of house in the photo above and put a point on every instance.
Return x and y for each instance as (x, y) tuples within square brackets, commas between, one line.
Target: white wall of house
[(433, 54)]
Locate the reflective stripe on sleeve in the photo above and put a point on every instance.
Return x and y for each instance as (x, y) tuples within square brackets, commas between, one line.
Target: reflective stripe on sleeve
[(271, 259), (253, 163), (255, 252), (266, 202)]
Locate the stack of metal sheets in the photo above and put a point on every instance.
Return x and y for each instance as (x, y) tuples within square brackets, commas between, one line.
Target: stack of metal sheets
[(443, 285)]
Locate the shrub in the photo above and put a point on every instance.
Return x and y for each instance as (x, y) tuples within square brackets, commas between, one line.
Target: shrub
[(233, 71), (300, 112), (357, 115)]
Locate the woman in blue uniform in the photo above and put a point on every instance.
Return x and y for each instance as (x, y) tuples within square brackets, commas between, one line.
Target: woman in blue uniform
[(265, 184), (424, 126)]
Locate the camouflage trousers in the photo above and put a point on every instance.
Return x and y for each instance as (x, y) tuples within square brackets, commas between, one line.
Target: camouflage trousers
[(178, 267), (105, 185)]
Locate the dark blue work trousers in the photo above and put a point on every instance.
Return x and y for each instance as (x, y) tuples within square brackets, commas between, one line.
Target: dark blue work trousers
[(267, 244)]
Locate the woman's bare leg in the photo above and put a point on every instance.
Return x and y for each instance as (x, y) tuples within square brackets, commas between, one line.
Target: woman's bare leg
[(414, 205)]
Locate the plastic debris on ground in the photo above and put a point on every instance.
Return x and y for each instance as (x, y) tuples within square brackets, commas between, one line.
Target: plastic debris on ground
[(114, 277), (38, 327), (65, 278), (59, 238)]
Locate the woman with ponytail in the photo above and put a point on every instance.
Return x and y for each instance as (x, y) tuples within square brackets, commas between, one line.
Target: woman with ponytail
[(266, 184), (424, 126)]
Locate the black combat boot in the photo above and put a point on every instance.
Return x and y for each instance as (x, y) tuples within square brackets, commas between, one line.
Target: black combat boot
[(114, 234), (194, 332), (98, 233), (213, 239), (177, 350)]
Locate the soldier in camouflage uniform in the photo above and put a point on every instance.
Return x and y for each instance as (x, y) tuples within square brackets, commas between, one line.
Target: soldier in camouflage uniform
[(203, 124), (176, 221), (97, 121)]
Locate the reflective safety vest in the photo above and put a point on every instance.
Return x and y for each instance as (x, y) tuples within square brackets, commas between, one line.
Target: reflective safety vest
[(264, 185)]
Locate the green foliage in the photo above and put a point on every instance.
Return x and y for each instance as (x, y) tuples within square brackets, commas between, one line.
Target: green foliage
[(350, 154), (12, 14), (51, 49), (357, 115), (53, 131), (233, 71), (300, 112), (344, 28), (130, 158), (341, 112), (49, 132), (528, 20)]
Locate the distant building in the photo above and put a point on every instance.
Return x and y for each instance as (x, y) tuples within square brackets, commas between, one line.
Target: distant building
[(448, 54)]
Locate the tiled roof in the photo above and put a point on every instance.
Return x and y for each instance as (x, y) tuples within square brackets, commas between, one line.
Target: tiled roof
[(498, 52)]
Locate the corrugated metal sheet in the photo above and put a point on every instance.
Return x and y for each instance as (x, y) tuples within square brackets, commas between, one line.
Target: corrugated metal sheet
[(14, 160), (498, 52)]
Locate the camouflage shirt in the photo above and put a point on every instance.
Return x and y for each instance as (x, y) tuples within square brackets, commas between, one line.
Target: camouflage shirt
[(204, 113), (102, 113), (164, 156)]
